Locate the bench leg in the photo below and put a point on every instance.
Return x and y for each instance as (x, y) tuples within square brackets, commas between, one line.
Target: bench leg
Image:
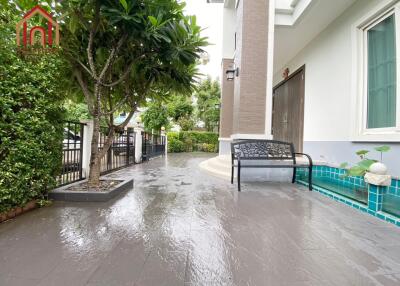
[(310, 178), (238, 178), (232, 172), (294, 176)]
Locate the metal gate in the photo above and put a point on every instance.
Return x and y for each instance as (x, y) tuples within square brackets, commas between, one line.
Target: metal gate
[(71, 170), (152, 145), (121, 153)]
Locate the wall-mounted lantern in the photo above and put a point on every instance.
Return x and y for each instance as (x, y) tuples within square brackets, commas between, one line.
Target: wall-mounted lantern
[(231, 73)]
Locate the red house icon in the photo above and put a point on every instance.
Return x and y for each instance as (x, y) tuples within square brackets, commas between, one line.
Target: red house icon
[(46, 35)]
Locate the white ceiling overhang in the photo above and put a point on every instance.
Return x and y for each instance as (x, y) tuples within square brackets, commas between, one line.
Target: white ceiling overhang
[(288, 12)]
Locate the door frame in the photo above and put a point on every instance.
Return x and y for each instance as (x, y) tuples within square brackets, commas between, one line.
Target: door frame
[(299, 70)]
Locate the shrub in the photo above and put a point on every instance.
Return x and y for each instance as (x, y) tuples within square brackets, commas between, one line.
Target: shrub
[(175, 146), (192, 141), (30, 120)]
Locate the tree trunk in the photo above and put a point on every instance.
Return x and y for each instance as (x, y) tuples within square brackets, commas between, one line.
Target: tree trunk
[(94, 173)]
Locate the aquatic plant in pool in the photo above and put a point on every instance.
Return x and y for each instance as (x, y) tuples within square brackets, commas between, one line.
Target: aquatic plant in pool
[(364, 165)]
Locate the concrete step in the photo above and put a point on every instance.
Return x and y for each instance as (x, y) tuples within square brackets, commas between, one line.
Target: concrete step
[(220, 163), (218, 167)]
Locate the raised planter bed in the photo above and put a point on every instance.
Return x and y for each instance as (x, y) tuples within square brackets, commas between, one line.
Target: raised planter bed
[(78, 192), (17, 211)]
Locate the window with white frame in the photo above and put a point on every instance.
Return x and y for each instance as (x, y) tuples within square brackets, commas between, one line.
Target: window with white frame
[(381, 73), (381, 98)]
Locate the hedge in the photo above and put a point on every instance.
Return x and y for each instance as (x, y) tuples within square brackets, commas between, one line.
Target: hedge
[(192, 141), (31, 114)]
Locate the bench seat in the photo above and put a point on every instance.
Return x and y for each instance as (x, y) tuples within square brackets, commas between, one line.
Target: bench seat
[(272, 166), (262, 151)]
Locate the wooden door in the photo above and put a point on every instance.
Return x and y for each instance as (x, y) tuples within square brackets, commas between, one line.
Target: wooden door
[(288, 110)]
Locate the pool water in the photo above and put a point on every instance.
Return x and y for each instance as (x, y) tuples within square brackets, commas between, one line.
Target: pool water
[(385, 205), (355, 192), (391, 204)]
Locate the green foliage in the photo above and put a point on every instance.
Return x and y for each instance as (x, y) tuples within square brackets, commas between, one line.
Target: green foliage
[(180, 109), (124, 53), (208, 100), (76, 111), (155, 117), (176, 146), (156, 49), (30, 119), (192, 141), (180, 106), (186, 123), (362, 153), (382, 149), (362, 167)]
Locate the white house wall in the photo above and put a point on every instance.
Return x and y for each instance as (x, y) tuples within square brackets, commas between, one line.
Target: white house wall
[(328, 91), (229, 22)]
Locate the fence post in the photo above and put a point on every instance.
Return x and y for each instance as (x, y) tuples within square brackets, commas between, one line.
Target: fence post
[(138, 144), (87, 138), (164, 139)]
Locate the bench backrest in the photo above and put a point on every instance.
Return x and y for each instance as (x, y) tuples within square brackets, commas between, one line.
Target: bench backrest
[(262, 150)]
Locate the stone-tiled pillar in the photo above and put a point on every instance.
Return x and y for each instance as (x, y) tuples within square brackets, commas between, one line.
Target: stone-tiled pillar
[(227, 88), (375, 197), (251, 58)]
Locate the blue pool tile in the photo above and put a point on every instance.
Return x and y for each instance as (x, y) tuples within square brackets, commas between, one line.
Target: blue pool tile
[(371, 206), (372, 197), (376, 194), (388, 219), (381, 216)]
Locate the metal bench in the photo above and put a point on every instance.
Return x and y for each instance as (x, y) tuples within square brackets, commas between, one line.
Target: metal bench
[(244, 151)]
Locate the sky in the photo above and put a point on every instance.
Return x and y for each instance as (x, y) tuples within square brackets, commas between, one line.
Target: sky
[(209, 17)]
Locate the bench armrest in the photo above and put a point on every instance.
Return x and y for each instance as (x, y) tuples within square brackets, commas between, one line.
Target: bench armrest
[(308, 157)]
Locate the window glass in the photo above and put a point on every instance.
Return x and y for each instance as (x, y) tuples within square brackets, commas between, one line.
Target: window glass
[(382, 74)]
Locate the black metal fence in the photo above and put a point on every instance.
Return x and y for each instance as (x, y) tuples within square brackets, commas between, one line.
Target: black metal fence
[(71, 170), (152, 145), (121, 153)]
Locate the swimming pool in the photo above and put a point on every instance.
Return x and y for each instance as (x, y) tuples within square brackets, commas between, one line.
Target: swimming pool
[(354, 191)]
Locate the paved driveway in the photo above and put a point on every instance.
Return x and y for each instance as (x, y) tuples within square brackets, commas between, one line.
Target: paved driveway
[(179, 226)]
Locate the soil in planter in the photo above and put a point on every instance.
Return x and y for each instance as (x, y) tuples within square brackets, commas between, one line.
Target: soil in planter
[(105, 186)]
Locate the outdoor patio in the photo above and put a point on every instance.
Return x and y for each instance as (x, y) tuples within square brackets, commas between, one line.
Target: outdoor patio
[(179, 226)]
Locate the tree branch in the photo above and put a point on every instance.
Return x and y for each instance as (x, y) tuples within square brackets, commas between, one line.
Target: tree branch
[(84, 67), (111, 57), (122, 78), (92, 32), (85, 90), (127, 119), (82, 19), (122, 102)]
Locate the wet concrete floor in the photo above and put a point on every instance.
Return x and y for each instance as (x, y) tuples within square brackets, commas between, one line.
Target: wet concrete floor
[(179, 226)]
